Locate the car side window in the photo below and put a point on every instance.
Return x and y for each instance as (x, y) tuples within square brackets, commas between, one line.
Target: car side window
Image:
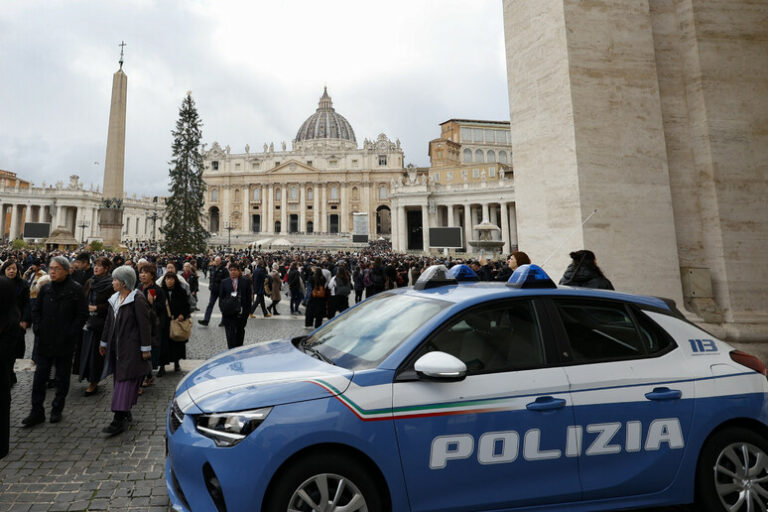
[(655, 338), (498, 338), (599, 330)]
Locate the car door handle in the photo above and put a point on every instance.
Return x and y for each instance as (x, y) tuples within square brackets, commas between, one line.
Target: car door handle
[(546, 403), (664, 394)]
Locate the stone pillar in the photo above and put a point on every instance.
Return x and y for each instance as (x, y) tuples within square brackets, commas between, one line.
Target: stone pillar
[(451, 219), (266, 217), (246, 228), (114, 162), (513, 240), (324, 210), (14, 231), (467, 226), (486, 217), (344, 212), (475, 214), (505, 228), (59, 219), (284, 210), (402, 228), (315, 208), (303, 208), (425, 227)]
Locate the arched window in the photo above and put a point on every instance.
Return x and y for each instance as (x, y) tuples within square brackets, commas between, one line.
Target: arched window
[(214, 194), (467, 156), (479, 155), (257, 194), (490, 156), (502, 157), (383, 192), (310, 194), (278, 194)]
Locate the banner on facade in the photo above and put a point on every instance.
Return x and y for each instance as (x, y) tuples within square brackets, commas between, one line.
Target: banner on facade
[(360, 228)]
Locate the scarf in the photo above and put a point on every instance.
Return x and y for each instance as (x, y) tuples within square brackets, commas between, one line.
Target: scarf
[(100, 284)]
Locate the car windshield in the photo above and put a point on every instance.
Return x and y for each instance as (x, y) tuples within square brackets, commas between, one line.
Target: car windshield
[(365, 335)]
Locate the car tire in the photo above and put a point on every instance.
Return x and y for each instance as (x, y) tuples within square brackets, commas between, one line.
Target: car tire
[(733, 466), (300, 486)]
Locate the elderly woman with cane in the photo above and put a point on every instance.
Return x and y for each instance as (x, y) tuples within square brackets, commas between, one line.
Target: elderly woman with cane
[(126, 343)]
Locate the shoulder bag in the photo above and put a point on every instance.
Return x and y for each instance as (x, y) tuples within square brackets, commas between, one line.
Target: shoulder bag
[(181, 330)]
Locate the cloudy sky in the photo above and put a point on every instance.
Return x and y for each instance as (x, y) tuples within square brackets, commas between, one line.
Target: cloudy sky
[(255, 68)]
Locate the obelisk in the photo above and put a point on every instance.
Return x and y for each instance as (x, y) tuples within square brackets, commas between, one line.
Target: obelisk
[(111, 211)]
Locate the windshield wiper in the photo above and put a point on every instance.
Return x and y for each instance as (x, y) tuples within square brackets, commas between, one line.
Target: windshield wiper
[(315, 353)]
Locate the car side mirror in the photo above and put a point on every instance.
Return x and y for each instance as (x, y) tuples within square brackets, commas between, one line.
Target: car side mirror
[(440, 366)]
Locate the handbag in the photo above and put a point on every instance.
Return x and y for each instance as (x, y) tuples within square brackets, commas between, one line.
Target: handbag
[(180, 330)]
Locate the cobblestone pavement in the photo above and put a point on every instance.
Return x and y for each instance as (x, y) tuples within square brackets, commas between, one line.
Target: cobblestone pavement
[(71, 466)]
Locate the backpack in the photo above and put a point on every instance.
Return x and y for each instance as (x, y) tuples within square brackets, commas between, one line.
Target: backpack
[(342, 289)]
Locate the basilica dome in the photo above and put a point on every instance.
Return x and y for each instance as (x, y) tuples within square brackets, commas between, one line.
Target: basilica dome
[(326, 123)]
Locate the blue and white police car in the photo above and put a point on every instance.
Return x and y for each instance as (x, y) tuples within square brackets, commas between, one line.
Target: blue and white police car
[(465, 396)]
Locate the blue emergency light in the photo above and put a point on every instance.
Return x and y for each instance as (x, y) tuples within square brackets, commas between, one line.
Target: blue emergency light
[(530, 276), (463, 273), (434, 276)]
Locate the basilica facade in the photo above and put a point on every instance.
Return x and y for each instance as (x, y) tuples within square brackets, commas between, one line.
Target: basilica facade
[(315, 187)]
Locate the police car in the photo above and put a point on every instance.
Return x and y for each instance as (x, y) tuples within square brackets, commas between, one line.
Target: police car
[(456, 395)]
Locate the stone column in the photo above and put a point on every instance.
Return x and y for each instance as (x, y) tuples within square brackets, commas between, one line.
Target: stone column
[(303, 208), (513, 225), (14, 231), (450, 220), (505, 228), (425, 227), (266, 217), (402, 228), (343, 210), (247, 219), (59, 219), (324, 210), (467, 226), (284, 210), (484, 208), (315, 208)]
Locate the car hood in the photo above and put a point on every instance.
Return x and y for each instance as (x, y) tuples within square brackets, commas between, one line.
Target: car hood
[(262, 375)]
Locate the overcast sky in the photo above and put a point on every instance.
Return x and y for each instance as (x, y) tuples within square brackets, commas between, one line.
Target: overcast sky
[(255, 68)]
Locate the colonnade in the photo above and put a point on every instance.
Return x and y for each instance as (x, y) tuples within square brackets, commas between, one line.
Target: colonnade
[(414, 235)]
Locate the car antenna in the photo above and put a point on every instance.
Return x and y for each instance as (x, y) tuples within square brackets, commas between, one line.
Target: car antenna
[(568, 239)]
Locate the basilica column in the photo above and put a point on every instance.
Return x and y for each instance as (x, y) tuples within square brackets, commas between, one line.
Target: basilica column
[(343, 228), (14, 232), (425, 227), (450, 218), (505, 228), (246, 227), (284, 210), (303, 208), (59, 220), (513, 225), (484, 208), (315, 208), (267, 213), (402, 234), (467, 226), (324, 212)]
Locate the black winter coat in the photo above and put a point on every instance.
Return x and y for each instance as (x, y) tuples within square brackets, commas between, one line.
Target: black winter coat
[(127, 330), (58, 317), (586, 275), (218, 274)]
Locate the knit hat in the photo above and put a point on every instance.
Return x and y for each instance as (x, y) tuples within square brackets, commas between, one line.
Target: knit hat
[(126, 275)]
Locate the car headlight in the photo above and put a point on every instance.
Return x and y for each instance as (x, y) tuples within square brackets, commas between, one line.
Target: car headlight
[(229, 428)]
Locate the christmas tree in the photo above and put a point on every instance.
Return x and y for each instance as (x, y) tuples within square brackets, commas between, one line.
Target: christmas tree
[(183, 229)]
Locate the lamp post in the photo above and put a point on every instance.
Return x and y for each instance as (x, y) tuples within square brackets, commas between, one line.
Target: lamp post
[(229, 228), (83, 224), (153, 218)]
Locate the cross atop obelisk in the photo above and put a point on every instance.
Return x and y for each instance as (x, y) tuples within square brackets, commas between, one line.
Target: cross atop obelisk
[(111, 212)]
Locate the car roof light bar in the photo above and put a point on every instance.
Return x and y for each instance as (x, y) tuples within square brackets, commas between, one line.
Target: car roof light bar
[(463, 273), (433, 277), (530, 276)]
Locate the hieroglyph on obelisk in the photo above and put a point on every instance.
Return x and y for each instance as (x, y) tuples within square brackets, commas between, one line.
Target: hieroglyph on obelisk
[(111, 212)]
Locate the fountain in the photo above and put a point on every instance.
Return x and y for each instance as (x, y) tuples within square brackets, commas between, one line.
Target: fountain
[(486, 241)]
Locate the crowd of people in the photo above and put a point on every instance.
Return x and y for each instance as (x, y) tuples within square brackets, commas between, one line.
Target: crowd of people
[(129, 314)]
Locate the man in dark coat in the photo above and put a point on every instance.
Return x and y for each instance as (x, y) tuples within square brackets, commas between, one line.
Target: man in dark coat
[(83, 270), (218, 274), (235, 297), (58, 317), (259, 276), (9, 326)]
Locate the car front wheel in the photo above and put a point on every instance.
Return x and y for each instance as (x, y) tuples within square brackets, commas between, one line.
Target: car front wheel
[(733, 472), (328, 483)]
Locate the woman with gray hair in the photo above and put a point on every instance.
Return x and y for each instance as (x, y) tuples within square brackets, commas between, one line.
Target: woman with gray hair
[(126, 343)]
